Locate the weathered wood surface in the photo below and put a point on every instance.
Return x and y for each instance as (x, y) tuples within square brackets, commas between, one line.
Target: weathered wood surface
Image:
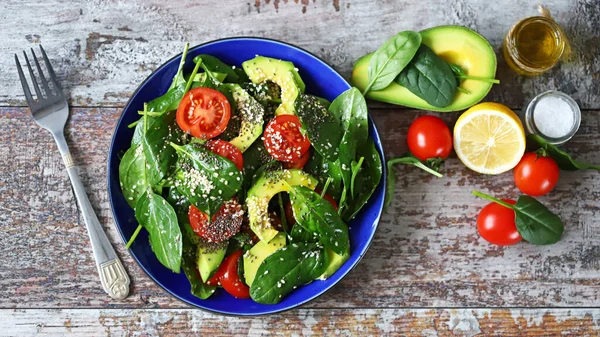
[(104, 49), (318, 322)]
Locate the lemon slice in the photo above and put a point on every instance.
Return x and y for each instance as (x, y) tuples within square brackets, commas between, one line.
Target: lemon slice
[(489, 138)]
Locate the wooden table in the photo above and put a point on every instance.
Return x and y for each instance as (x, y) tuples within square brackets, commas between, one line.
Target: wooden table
[(427, 272)]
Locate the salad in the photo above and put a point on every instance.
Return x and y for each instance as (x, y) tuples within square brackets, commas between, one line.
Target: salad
[(244, 181)]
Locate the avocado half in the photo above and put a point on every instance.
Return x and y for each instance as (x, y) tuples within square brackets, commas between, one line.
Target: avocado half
[(455, 44)]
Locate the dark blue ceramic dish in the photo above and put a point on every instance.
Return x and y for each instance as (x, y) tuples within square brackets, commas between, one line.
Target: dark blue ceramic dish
[(321, 80)]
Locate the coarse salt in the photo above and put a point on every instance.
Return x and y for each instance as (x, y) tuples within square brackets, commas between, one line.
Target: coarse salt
[(553, 117)]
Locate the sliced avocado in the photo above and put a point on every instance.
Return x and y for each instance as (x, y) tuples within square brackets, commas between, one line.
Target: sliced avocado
[(264, 189), (251, 113), (209, 258), (334, 262), (257, 254), (283, 73), (455, 44)]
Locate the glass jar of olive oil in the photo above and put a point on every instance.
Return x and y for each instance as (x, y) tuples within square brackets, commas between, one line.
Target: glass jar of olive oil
[(534, 45)]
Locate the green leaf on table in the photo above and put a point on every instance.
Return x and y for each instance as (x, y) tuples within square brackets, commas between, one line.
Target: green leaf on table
[(286, 269), (158, 217), (204, 178), (391, 58), (323, 128), (317, 215), (431, 166), (429, 77), (563, 159), (132, 175), (366, 181), (160, 157)]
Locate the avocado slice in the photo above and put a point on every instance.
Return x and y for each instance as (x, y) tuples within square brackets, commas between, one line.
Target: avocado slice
[(258, 253), (334, 262), (455, 44), (283, 73), (251, 113), (209, 258), (264, 189)]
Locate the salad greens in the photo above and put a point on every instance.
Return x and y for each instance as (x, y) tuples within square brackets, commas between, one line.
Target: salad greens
[(201, 175), (562, 158)]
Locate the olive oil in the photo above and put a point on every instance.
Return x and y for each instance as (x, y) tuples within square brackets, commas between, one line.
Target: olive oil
[(534, 45)]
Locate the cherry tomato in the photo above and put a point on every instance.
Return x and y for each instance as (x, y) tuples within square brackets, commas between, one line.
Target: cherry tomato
[(225, 224), (227, 276), (227, 150), (496, 224), (429, 137), (289, 212), (298, 164), (283, 139), (203, 112), (535, 175)]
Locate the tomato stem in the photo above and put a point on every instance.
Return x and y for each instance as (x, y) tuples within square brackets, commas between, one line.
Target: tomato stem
[(490, 198), (135, 234)]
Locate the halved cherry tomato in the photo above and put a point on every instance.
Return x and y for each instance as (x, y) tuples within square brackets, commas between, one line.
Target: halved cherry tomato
[(203, 112), (496, 224), (227, 276), (429, 137), (225, 224), (283, 139), (535, 175), (298, 164), (289, 212), (227, 150)]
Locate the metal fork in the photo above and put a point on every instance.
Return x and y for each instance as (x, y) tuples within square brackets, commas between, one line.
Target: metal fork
[(50, 111)]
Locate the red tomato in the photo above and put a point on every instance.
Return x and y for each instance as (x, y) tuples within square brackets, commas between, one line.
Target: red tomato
[(225, 224), (227, 276), (298, 164), (283, 139), (289, 212), (429, 137), (496, 224), (203, 112), (227, 150), (535, 175)]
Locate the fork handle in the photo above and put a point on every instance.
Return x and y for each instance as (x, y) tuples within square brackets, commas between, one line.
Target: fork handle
[(113, 276)]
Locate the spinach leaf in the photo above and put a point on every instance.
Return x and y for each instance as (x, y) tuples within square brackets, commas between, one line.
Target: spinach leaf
[(286, 269), (323, 128), (160, 157), (389, 60), (351, 108), (169, 101), (367, 180), (204, 178), (563, 159), (355, 168), (189, 258), (322, 169), (461, 75), (179, 79), (299, 234), (429, 77), (536, 224), (431, 165), (317, 215), (158, 217), (132, 175), (213, 64), (179, 203)]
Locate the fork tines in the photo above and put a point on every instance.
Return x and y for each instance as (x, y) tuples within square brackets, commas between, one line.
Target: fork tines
[(43, 93)]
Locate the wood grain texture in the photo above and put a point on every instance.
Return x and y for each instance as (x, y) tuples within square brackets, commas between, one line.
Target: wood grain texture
[(102, 50), (426, 252), (315, 322)]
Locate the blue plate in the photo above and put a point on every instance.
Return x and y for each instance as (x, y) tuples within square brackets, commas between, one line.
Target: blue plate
[(321, 80)]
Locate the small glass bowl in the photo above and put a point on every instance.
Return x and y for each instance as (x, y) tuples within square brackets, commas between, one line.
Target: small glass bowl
[(530, 120)]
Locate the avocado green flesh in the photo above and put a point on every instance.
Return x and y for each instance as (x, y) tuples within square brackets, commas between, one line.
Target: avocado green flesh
[(258, 253), (264, 189), (283, 73), (455, 44), (334, 262), (251, 113), (209, 258)]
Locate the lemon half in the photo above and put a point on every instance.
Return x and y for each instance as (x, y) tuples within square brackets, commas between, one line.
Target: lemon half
[(489, 138)]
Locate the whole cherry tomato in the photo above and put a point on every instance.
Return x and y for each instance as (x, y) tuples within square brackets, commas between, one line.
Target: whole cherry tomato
[(429, 137), (496, 224), (535, 175)]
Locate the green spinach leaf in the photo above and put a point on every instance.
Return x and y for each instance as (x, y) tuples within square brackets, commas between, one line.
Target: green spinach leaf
[(132, 175), (389, 60), (323, 128), (351, 108), (322, 169), (179, 203), (461, 75), (204, 178), (160, 157), (299, 234), (429, 77), (158, 217), (179, 79), (355, 169), (213, 64), (563, 159), (317, 215), (286, 269)]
